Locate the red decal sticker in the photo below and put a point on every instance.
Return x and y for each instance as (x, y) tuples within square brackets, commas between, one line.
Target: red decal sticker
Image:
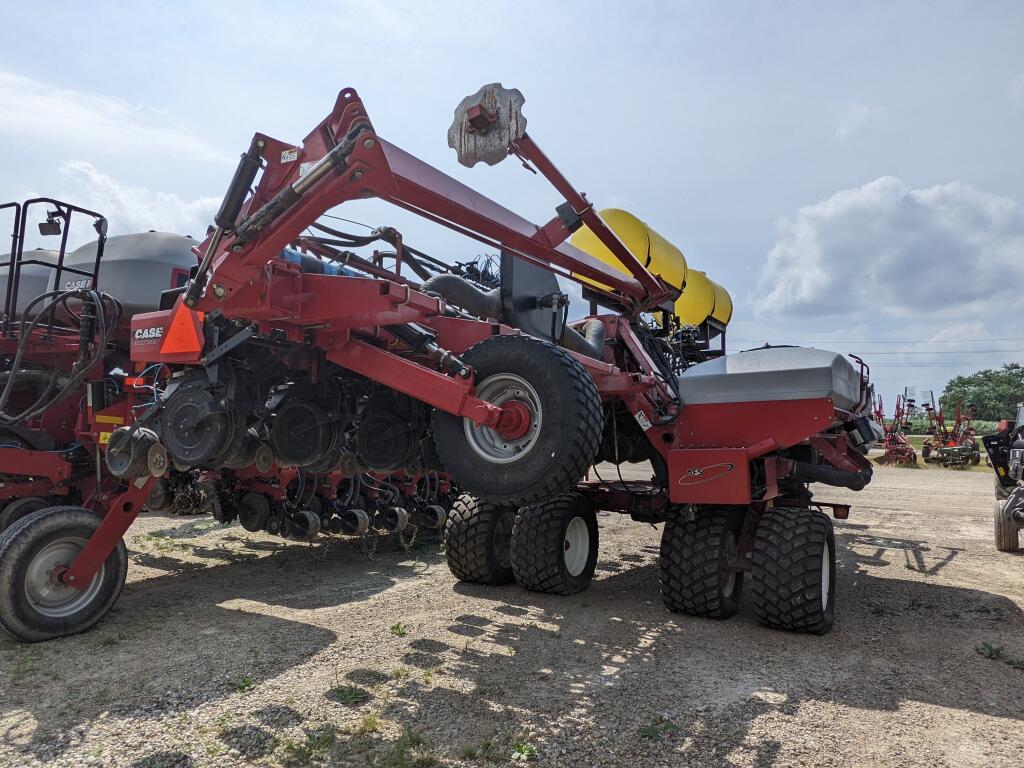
[(698, 475)]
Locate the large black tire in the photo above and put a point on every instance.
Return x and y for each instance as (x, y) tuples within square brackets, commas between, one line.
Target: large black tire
[(478, 541), (697, 563), (794, 573), (554, 545), (1006, 532), (549, 459), (28, 552), (20, 508)]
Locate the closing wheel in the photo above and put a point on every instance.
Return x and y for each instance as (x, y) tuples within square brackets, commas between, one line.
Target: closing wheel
[(478, 540), (794, 573), (558, 426), (697, 565), (1007, 533), (20, 508), (253, 511), (34, 604), (554, 545)]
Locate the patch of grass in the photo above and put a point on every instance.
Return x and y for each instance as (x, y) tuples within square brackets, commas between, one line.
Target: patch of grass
[(490, 750), (313, 750), (398, 630), (428, 675), (523, 752), (658, 727), (242, 684), (25, 664), (400, 673), (369, 724), (349, 695), (410, 751), (990, 650)]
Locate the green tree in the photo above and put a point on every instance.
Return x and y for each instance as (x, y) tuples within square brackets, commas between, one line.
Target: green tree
[(995, 393)]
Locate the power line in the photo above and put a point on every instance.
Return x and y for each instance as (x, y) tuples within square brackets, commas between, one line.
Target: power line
[(873, 341), (939, 352)]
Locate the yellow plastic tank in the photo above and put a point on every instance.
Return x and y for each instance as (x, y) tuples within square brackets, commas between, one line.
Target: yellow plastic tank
[(723, 305), (697, 301), (700, 297), (651, 249)]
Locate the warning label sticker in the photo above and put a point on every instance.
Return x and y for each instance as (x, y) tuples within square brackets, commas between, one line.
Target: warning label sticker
[(289, 155)]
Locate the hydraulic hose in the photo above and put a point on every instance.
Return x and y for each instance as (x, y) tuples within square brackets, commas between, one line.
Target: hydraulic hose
[(822, 473), (462, 293)]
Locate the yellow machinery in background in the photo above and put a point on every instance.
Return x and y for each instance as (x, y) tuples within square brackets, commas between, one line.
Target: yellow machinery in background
[(701, 302)]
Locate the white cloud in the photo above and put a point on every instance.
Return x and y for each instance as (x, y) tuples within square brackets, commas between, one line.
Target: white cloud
[(856, 117), (889, 251), (135, 209), (40, 112)]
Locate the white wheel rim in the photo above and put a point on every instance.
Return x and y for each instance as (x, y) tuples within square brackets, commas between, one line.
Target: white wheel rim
[(49, 596), (488, 443), (729, 575), (826, 575), (576, 546)]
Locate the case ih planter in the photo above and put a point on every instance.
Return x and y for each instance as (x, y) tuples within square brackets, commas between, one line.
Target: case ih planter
[(496, 386)]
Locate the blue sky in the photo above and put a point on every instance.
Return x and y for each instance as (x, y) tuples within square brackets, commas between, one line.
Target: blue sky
[(851, 172)]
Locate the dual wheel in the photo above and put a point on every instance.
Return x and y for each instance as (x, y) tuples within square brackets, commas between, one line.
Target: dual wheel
[(792, 575), (35, 604), (550, 547)]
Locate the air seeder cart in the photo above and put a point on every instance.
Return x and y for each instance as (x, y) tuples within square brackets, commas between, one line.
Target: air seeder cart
[(498, 387)]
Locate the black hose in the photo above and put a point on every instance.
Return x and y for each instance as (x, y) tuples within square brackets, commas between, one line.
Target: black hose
[(462, 293), (823, 473)]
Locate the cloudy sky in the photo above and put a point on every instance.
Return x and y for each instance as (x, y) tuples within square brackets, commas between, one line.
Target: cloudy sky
[(853, 175)]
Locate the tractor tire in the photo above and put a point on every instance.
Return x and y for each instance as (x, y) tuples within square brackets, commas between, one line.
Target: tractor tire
[(478, 541), (694, 565), (554, 545), (1007, 534), (32, 606), (564, 434), (20, 508), (794, 573)]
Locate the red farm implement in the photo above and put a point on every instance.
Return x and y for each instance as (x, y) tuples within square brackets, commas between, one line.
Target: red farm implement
[(955, 446), (336, 361), (897, 450)]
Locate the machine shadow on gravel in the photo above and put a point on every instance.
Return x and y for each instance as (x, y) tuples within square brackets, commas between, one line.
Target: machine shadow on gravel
[(65, 683), (613, 652)]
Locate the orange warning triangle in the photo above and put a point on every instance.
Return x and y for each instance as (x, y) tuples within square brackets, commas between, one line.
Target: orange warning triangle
[(185, 333)]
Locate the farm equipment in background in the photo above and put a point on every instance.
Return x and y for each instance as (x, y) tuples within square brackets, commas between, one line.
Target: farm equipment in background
[(897, 449), (1005, 451), (288, 340), (951, 447)]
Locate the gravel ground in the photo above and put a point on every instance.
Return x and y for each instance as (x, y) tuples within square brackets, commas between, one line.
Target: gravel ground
[(233, 649)]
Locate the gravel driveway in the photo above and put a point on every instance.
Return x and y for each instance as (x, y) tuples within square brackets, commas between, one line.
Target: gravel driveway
[(232, 649)]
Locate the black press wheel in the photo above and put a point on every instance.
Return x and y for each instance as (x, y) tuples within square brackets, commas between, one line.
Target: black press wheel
[(794, 573), (697, 565), (561, 431), (20, 508), (554, 545), (34, 605), (478, 541)]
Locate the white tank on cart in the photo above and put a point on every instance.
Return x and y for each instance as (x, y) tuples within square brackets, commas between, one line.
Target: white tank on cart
[(773, 373), (134, 269), (35, 279)]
